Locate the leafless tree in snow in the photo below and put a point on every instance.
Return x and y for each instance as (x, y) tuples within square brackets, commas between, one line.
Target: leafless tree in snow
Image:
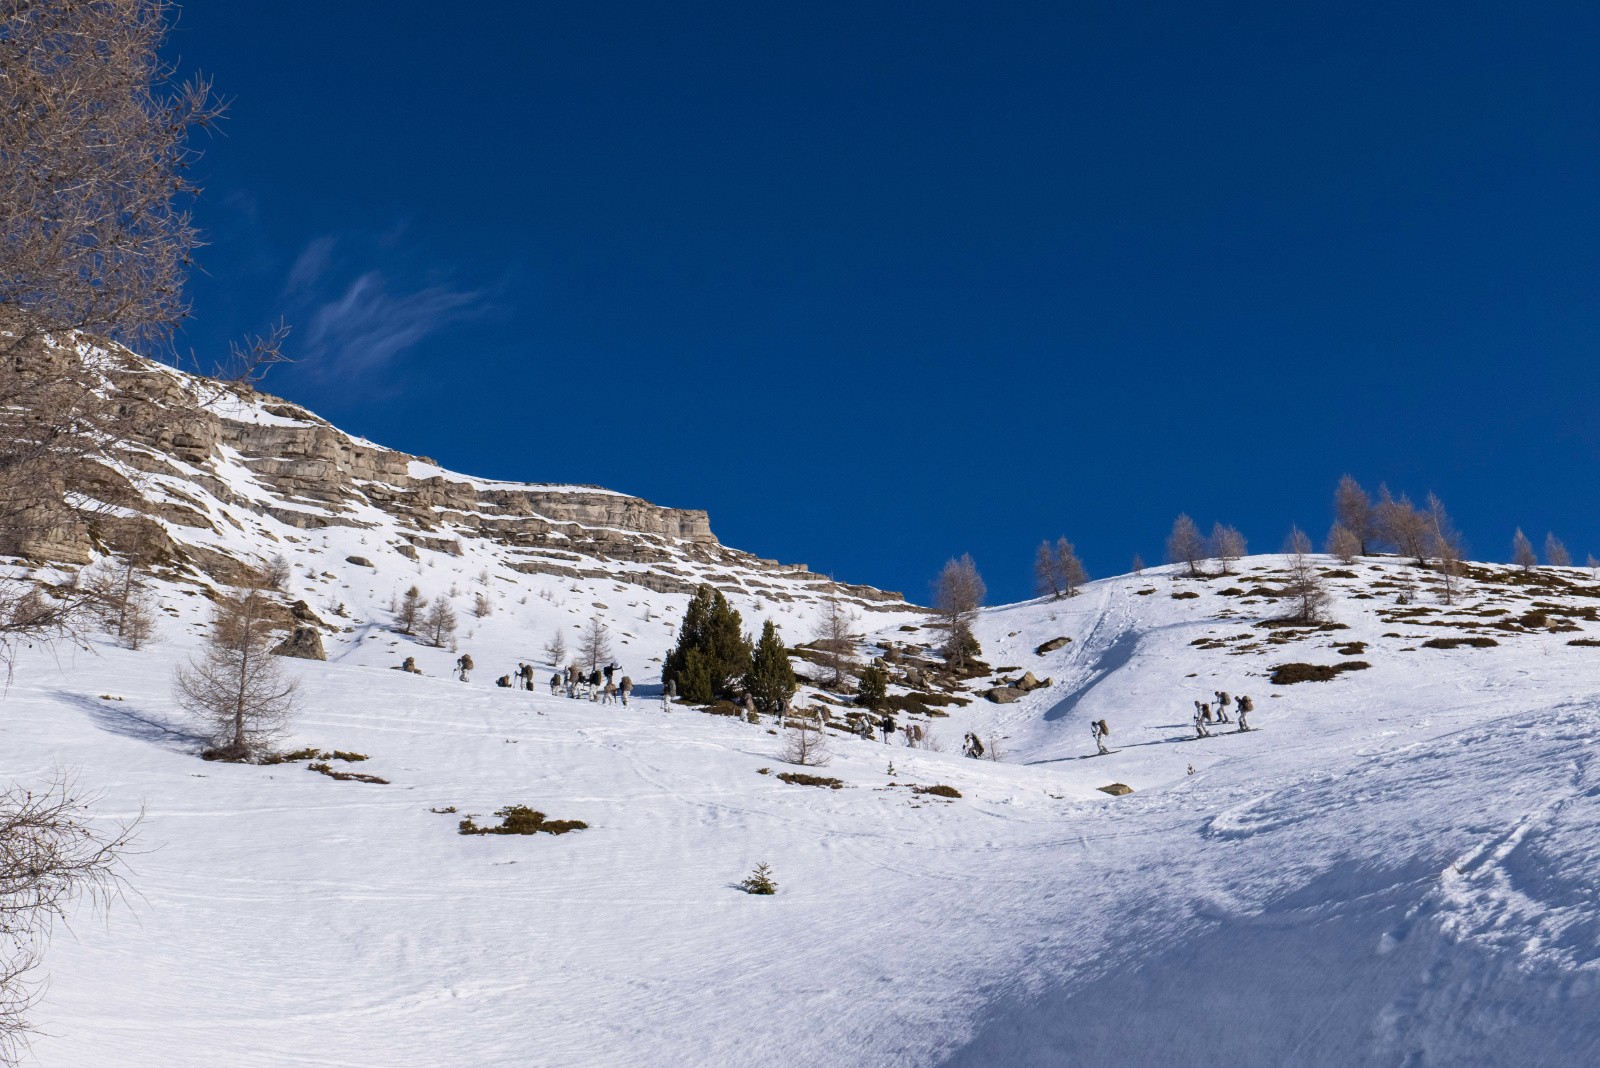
[(806, 741), (123, 600), (1057, 571), (1403, 526), (1522, 553), (409, 612), (95, 238), (555, 650), (1185, 545), (1045, 581), (958, 594), (594, 648), (1445, 544), (1343, 543), (53, 855), (1227, 544), (440, 623), (1555, 553), (1353, 510), (235, 687), (1304, 586), (835, 644)]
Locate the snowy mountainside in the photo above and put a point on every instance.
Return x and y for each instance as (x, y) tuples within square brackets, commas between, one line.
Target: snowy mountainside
[(1394, 868), (224, 478)]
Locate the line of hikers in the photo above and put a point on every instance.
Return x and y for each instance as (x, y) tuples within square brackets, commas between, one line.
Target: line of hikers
[(606, 685), (1205, 717)]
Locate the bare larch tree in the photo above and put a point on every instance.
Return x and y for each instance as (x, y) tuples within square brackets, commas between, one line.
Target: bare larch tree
[(835, 644), (1227, 544), (235, 687), (1522, 553), (1185, 545), (1304, 586), (958, 594), (1057, 571), (555, 650), (52, 856), (1353, 510), (594, 648), (1555, 551), (1343, 543), (440, 623), (95, 242), (1446, 547)]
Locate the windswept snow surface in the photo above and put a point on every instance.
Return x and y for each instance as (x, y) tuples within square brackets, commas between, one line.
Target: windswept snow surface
[(1397, 867)]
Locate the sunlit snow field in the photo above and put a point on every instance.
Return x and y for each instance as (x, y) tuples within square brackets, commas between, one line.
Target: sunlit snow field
[(1398, 867)]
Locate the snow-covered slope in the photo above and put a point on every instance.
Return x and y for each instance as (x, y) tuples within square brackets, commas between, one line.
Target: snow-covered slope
[(1396, 867)]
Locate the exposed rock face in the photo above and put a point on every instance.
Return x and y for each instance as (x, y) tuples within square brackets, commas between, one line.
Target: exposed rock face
[(302, 642), (308, 474)]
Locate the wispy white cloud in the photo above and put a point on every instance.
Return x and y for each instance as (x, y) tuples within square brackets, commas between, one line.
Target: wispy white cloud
[(311, 264), (360, 334)]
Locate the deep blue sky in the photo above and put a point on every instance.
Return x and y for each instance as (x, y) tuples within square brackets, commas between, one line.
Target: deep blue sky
[(880, 283)]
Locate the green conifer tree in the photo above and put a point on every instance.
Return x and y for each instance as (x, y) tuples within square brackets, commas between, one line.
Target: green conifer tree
[(712, 654), (874, 686), (771, 680)]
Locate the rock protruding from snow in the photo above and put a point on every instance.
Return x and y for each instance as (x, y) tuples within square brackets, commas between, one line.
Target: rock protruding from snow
[(303, 643)]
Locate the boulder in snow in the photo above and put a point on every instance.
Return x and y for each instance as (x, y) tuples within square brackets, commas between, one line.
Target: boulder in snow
[(1004, 695), (1051, 646), (304, 643)]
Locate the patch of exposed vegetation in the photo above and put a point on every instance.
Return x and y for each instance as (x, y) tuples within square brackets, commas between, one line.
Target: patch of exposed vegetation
[(520, 819), (800, 778), (345, 776), (937, 790), (313, 754), (1289, 674), (1456, 643)]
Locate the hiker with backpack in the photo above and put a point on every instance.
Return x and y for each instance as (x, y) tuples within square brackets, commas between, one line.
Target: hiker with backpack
[(1246, 706), (1202, 713), (1099, 732)]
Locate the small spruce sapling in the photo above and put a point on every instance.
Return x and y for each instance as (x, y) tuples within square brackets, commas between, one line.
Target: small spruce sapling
[(760, 881)]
